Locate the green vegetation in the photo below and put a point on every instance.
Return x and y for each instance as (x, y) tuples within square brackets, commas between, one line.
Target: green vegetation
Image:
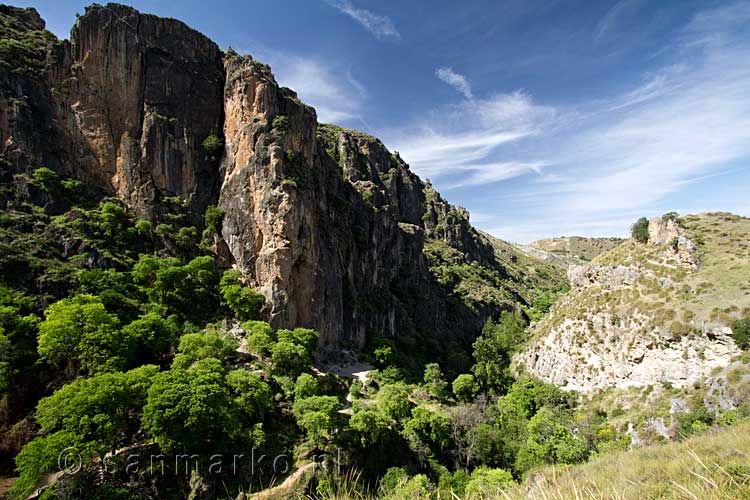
[(280, 123), (741, 332), (213, 145), (639, 230), (22, 47)]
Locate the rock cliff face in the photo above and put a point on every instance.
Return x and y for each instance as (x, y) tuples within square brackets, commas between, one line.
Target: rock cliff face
[(326, 222), (636, 315)]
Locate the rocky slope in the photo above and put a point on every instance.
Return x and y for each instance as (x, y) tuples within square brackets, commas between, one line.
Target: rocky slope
[(643, 314), (570, 250), (337, 232)]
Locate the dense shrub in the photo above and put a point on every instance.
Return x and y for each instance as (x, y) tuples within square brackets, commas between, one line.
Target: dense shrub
[(741, 332), (639, 230)]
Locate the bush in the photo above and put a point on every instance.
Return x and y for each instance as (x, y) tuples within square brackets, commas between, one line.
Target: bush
[(143, 228), (212, 218), (465, 388), (741, 333), (486, 483), (80, 330), (289, 358), (213, 145), (259, 337), (306, 386), (639, 230), (433, 380), (242, 300), (280, 123), (46, 178)]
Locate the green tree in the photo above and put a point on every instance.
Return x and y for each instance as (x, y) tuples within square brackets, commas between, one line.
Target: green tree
[(189, 409), (188, 290), (551, 440), (6, 370), (259, 337), (493, 351), (151, 336), (289, 358), (111, 219), (212, 219), (741, 332), (194, 347), (315, 415), (46, 178), (214, 145), (306, 386), (18, 334), (428, 433), (434, 381), (304, 337), (383, 356), (243, 301), (101, 410), (80, 330), (369, 425), (393, 401), (465, 387), (39, 458), (639, 230), (251, 395)]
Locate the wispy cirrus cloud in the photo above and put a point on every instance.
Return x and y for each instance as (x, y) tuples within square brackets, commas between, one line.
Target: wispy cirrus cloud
[(455, 80), (461, 142), (319, 84), (591, 167), (380, 26)]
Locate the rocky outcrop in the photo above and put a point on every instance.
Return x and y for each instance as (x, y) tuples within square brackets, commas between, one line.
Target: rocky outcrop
[(629, 320), (667, 232)]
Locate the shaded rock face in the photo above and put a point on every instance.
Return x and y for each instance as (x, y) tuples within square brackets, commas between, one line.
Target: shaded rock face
[(325, 222), (137, 95), (124, 105)]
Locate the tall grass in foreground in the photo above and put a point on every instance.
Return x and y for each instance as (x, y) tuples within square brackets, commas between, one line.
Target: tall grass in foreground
[(714, 465)]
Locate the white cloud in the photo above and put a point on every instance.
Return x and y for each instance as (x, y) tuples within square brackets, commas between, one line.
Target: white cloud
[(455, 80), (463, 138), (598, 165), (380, 26), (335, 99)]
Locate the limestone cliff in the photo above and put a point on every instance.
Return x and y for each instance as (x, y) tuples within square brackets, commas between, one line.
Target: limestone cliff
[(643, 314), (335, 231)]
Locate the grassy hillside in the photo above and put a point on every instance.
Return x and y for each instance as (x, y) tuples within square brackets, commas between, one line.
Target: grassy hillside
[(568, 250), (717, 292), (649, 312)]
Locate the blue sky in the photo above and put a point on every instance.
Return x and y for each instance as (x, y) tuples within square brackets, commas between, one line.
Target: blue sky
[(543, 118)]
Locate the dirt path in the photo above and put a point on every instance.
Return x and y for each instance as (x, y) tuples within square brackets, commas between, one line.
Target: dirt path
[(288, 487)]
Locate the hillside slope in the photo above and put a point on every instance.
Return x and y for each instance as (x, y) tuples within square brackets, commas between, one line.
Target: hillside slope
[(569, 250), (335, 231), (642, 314)]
